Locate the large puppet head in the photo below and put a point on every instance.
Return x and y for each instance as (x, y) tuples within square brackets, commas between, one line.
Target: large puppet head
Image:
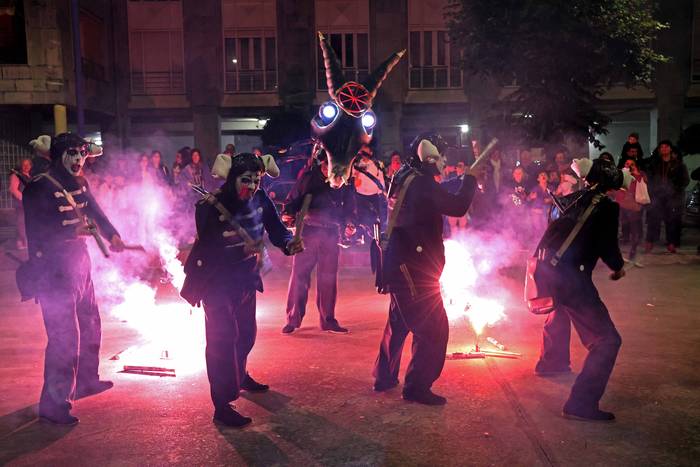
[(346, 121)]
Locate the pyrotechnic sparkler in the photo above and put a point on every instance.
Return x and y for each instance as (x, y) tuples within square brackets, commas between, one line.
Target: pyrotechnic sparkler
[(458, 281)]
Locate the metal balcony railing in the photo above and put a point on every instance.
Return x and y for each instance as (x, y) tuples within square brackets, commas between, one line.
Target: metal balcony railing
[(151, 83)]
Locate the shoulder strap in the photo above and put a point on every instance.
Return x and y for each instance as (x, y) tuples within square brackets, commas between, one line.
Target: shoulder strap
[(374, 179), (574, 232), (226, 214), (397, 207)]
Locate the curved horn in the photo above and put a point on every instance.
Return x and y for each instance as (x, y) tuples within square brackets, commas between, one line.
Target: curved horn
[(334, 70), (375, 80)]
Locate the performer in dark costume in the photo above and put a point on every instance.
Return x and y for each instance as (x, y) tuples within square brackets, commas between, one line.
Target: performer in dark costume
[(60, 264), (223, 273), (576, 297), (330, 210), (413, 263)]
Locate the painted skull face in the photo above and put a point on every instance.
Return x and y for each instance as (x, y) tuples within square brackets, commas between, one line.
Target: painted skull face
[(247, 184), (346, 122), (74, 159)]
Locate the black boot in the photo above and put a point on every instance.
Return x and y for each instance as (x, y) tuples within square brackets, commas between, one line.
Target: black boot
[(58, 417), (249, 384), (590, 414), (381, 386), (91, 388), (426, 397), (228, 417)]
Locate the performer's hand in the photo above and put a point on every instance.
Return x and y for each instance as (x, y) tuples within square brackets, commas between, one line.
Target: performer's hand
[(295, 245), (116, 244), (350, 230), (287, 219), (85, 230), (617, 275), (253, 249), (468, 171)]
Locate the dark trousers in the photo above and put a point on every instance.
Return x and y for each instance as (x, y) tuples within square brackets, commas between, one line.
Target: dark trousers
[(631, 222), (320, 249), (669, 210), (230, 329), (423, 315), (370, 209), (592, 322), (74, 331)]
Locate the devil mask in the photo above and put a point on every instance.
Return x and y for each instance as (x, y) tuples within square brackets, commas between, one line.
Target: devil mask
[(243, 176), (346, 121), (70, 150)]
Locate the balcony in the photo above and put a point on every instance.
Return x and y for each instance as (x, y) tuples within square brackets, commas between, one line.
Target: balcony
[(154, 83)]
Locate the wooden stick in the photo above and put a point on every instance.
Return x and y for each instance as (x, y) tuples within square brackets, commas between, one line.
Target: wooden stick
[(299, 223), (484, 153)]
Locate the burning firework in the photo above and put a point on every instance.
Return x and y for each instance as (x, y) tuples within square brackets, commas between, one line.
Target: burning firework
[(171, 330), (458, 282)]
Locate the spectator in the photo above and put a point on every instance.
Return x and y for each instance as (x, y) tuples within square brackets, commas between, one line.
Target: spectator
[(197, 172), (394, 164), (144, 173), (161, 174), (494, 171), (606, 156), (181, 159), (631, 210), (230, 149), (514, 203), (668, 177), (539, 203), (632, 150), (18, 180)]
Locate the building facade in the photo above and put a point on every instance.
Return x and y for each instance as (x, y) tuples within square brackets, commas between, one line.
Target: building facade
[(162, 74)]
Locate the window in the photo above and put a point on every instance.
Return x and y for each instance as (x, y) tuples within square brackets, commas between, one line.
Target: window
[(251, 63), (13, 40), (156, 53), (352, 49), (434, 63), (92, 46)]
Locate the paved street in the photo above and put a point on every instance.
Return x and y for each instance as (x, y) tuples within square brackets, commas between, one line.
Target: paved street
[(322, 410)]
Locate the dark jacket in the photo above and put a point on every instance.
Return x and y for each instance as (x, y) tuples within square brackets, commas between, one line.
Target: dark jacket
[(667, 179), (218, 258), (415, 255), (329, 208), (51, 222), (596, 240)]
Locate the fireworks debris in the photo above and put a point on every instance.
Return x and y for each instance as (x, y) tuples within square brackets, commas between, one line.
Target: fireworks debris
[(495, 343), (149, 370)]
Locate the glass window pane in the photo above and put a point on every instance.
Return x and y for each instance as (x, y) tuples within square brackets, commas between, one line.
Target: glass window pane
[(362, 51), (244, 47), (441, 38), (415, 49), (337, 44), (427, 48), (270, 54), (349, 51), (230, 53), (257, 53)]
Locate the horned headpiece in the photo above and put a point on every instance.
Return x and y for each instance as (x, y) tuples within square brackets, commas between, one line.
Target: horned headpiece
[(346, 121)]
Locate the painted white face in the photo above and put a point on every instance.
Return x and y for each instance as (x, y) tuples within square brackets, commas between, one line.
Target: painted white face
[(247, 184), (74, 159)]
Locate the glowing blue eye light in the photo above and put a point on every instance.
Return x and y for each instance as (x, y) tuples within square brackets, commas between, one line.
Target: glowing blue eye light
[(328, 111), (369, 120)]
